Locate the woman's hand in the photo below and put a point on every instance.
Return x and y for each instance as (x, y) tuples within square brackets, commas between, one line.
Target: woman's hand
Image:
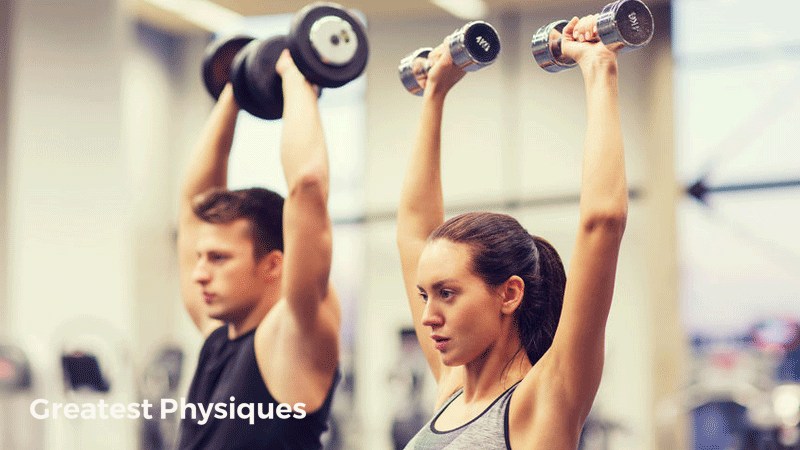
[(581, 42), (443, 74)]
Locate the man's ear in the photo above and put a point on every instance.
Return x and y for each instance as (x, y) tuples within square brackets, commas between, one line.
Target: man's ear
[(512, 292), (271, 265)]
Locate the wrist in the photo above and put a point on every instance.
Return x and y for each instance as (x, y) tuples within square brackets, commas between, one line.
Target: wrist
[(601, 65), (434, 95), (297, 83), (599, 69), (294, 78)]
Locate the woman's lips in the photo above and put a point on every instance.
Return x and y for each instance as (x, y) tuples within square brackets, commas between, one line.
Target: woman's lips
[(440, 343)]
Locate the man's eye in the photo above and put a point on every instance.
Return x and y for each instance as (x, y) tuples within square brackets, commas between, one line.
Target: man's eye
[(446, 294)]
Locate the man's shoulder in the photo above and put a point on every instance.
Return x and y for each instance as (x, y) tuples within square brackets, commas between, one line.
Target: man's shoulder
[(218, 333)]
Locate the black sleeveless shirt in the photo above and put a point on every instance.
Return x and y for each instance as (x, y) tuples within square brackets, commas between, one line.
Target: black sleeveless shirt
[(228, 368)]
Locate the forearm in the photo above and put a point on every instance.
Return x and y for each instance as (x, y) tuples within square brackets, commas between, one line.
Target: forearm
[(421, 207), (303, 148), (208, 165), (604, 188)]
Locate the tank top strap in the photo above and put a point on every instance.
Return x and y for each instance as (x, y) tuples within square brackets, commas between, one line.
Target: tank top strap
[(489, 430)]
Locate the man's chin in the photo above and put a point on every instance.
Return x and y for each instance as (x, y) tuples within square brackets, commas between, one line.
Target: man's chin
[(218, 314)]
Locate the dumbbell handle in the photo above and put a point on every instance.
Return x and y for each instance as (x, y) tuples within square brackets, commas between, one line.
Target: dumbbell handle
[(414, 67), (622, 25), (472, 47)]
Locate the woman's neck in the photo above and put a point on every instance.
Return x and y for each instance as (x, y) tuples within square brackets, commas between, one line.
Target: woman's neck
[(496, 370)]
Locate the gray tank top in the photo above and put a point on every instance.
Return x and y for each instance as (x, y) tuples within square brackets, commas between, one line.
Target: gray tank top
[(489, 430)]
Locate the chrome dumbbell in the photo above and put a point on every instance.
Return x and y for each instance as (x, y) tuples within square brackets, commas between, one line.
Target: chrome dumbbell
[(622, 25), (473, 46)]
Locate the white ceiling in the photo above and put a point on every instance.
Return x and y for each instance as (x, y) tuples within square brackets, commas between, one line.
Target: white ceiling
[(422, 9)]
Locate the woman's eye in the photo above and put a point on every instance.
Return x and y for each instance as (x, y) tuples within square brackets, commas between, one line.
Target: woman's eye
[(423, 296), (446, 294)]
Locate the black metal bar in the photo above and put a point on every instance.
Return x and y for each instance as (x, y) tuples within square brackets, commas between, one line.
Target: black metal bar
[(755, 186), (699, 190)]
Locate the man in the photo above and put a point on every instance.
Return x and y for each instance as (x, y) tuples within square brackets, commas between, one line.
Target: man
[(254, 278)]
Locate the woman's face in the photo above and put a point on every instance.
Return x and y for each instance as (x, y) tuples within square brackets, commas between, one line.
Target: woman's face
[(461, 310)]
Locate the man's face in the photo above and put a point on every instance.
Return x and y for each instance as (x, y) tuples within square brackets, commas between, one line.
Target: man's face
[(226, 271)]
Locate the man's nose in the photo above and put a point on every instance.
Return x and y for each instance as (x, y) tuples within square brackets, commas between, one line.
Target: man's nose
[(201, 274)]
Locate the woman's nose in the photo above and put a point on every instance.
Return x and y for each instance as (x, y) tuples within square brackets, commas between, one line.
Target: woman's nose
[(431, 317)]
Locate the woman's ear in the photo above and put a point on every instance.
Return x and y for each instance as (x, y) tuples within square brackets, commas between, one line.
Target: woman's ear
[(512, 292), (271, 265)]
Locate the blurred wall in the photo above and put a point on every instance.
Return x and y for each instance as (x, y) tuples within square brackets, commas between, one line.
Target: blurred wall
[(68, 248), (5, 47), (97, 113)]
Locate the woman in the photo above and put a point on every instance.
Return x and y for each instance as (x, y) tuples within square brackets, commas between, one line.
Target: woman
[(487, 297)]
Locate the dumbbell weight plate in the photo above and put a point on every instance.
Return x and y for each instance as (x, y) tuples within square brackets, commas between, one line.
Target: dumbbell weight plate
[(263, 82), (243, 92), (474, 46), (217, 62), (328, 44), (628, 23)]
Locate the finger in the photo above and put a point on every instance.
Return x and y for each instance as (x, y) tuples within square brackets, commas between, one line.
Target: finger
[(591, 26), (569, 28), (587, 24), (286, 57), (280, 64), (433, 58), (580, 29), (435, 54)]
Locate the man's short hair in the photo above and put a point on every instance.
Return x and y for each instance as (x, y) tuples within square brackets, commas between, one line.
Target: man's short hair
[(261, 207)]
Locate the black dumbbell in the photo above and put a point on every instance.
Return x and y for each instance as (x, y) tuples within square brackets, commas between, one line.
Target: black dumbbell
[(623, 25), (327, 43), (217, 62), (473, 46)]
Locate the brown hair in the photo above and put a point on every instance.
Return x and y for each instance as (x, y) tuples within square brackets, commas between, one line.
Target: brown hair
[(500, 248), (261, 207)]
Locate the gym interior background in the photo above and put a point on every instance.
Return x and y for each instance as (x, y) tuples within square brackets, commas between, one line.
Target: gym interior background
[(100, 104)]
